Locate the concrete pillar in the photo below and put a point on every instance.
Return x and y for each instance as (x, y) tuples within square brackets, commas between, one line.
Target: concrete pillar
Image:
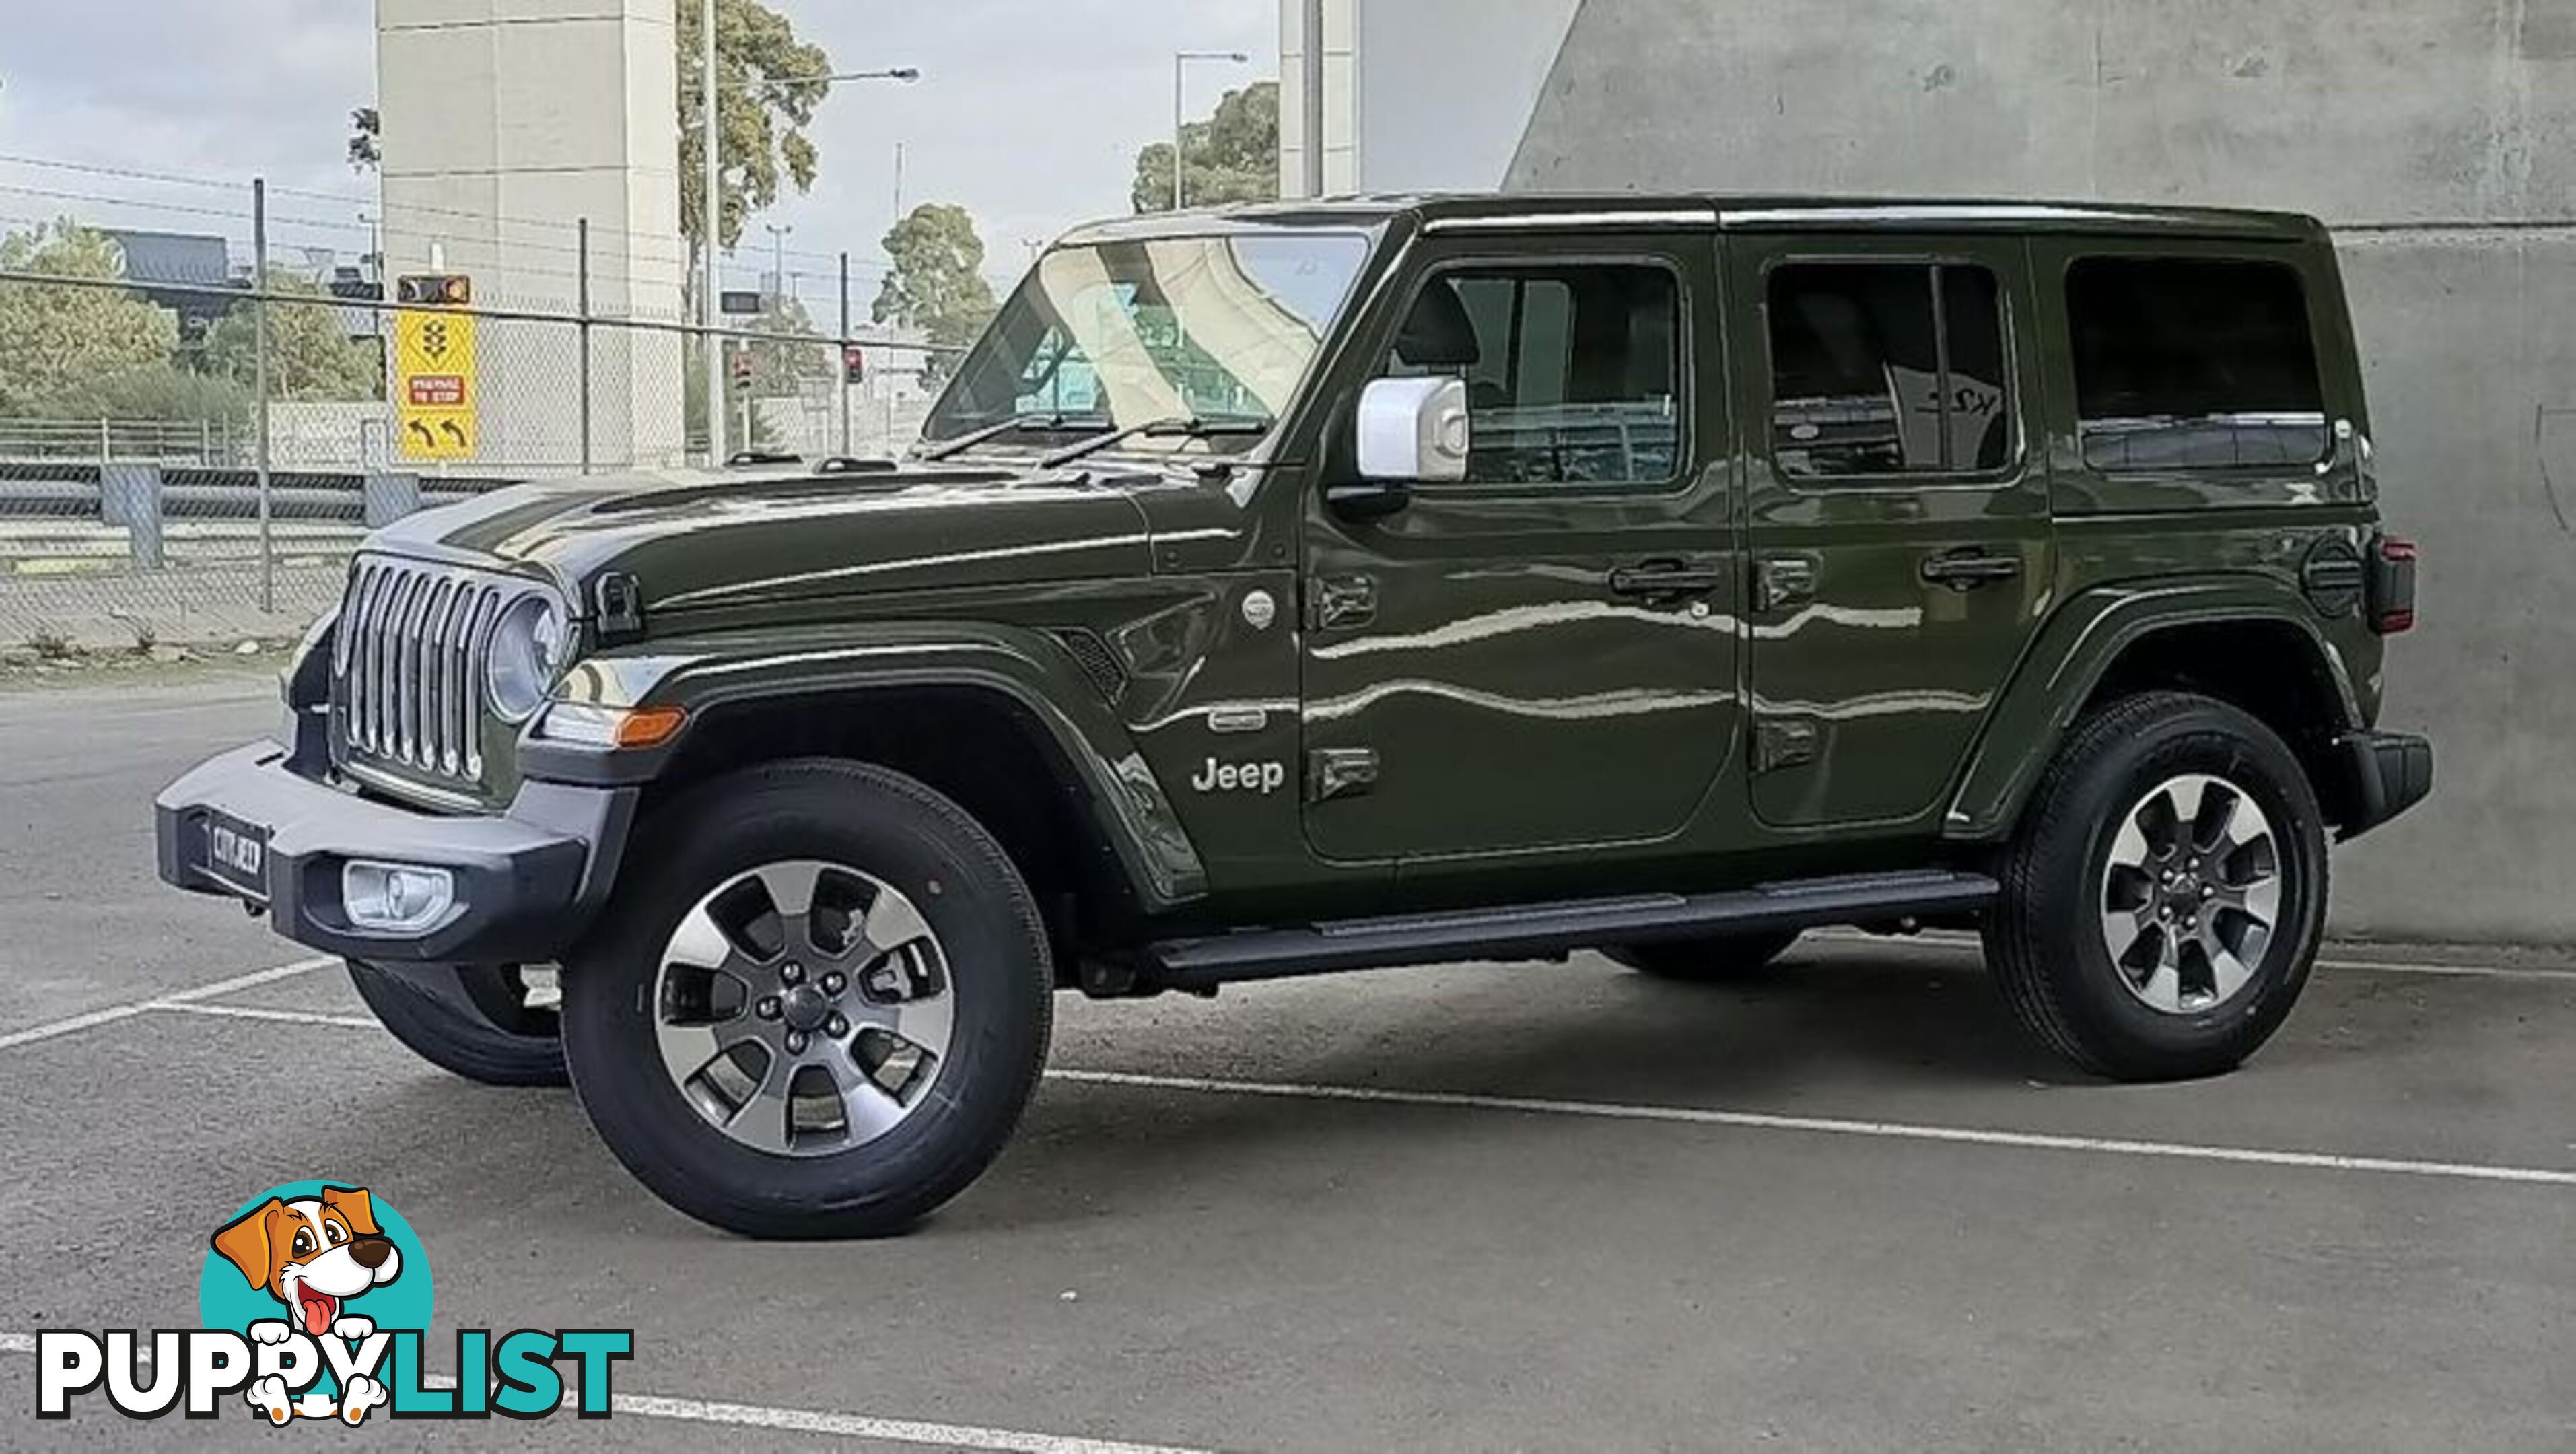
[(389, 495), (1340, 99), (129, 495), (505, 123)]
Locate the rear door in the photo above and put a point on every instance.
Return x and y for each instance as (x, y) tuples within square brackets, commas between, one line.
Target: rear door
[(1897, 512)]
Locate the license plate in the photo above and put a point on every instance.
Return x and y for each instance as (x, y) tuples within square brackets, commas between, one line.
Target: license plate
[(235, 854)]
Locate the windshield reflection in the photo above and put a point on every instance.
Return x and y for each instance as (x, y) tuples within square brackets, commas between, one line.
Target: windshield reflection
[(1120, 335)]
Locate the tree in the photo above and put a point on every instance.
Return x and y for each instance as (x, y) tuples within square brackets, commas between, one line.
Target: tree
[(366, 139), (762, 110), (310, 353), (56, 339), (1233, 156), (937, 282)]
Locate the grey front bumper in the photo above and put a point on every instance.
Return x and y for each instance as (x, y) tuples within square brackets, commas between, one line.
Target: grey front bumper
[(528, 880)]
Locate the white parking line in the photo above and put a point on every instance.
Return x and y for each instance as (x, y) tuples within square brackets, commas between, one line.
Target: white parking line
[(256, 1012), (1945, 942), (1830, 1126), (113, 1013), (808, 1421)]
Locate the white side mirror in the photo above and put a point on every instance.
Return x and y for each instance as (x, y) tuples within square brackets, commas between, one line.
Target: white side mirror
[(1414, 430)]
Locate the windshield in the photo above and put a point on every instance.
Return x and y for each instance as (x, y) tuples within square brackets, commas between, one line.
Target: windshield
[(1120, 335)]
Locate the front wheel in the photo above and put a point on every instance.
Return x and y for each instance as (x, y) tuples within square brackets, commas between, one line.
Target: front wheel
[(2163, 901), (508, 1037), (817, 1009)]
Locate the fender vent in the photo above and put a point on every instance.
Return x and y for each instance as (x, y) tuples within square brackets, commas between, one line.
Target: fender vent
[(1098, 662)]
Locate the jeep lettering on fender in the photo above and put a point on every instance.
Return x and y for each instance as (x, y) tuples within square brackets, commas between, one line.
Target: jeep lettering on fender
[(771, 806), (1245, 777)]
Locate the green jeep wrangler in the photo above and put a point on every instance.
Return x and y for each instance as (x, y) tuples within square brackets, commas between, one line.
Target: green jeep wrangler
[(1315, 587)]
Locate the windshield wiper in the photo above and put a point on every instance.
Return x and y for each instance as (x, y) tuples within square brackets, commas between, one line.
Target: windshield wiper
[(1013, 425), (1183, 424)]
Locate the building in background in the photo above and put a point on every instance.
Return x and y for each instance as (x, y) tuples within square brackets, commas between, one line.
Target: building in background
[(505, 126), (2437, 136)]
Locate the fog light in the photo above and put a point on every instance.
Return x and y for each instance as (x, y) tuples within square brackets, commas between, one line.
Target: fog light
[(399, 898)]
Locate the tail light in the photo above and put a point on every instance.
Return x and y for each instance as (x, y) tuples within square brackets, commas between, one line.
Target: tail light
[(2392, 586)]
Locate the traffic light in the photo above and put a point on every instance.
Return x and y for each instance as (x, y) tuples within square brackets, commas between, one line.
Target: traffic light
[(742, 371), (854, 362), (432, 290)]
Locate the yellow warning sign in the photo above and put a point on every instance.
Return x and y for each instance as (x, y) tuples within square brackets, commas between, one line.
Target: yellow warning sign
[(434, 383)]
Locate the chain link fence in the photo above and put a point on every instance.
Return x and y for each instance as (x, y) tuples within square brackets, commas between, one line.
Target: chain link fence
[(193, 453)]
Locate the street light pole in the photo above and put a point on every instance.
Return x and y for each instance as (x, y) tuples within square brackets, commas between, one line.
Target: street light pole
[(1180, 60), (710, 227), (778, 260)]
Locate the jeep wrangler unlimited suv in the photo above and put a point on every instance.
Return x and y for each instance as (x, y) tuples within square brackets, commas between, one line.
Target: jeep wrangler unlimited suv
[(1315, 587)]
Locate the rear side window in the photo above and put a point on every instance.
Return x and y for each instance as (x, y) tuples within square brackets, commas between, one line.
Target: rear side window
[(1887, 369), (2193, 363)]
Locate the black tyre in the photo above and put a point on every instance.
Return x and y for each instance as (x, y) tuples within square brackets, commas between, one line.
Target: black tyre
[(817, 1005), (1706, 961), (503, 1040), (2163, 900)]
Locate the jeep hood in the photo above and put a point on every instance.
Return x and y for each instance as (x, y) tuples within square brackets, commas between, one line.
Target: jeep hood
[(697, 540)]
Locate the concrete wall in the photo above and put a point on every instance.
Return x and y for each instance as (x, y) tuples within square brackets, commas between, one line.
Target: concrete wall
[(2438, 135), (505, 123)]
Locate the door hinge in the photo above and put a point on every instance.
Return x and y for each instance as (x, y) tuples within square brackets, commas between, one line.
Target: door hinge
[(1337, 602), (1340, 772), (1780, 742)]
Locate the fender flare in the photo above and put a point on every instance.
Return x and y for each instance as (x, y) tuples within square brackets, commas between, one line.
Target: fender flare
[(1024, 670), (2076, 649)]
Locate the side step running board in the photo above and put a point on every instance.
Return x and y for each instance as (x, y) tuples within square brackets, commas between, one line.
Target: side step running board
[(1539, 930)]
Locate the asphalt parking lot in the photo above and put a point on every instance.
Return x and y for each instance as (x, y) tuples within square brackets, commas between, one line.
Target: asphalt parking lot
[(1464, 1207)]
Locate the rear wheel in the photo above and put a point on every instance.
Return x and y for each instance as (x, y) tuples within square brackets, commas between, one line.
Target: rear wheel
[(503, 1032), (1706, 961), (2164, 899), (817, 1009)]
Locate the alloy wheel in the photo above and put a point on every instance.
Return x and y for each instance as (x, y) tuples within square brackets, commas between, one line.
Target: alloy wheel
[(804, 1008), (2191, 894)]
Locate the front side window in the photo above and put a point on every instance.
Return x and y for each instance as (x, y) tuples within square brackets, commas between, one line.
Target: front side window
[(2193, 363), (1573, 370), (1888, 369), (1115, 335)]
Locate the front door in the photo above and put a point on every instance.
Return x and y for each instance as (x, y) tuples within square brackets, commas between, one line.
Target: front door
[(1543, 656), (1897, 512)]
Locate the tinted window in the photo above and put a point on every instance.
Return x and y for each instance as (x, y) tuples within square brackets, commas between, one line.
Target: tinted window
[(1573, 373), (2187, 363), (1888, 368)]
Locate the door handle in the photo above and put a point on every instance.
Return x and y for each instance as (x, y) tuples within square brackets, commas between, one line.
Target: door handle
[(1657, 578), (1965, 570)]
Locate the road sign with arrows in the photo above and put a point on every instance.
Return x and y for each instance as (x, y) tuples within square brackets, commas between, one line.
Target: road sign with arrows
[(434, 384)]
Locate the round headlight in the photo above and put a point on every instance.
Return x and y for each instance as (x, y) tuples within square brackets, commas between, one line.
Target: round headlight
[(527, 651)]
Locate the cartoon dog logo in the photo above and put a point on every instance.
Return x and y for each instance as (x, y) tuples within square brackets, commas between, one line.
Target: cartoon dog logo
[(314, 1255)]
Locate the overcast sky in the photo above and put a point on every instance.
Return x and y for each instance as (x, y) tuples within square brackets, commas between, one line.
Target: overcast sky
[(1029, 111)]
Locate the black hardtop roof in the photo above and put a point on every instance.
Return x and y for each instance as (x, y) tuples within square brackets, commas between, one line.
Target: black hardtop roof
[(1501, 211)]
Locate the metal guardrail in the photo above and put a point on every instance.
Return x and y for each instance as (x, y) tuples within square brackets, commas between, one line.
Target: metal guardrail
[(166, 441)]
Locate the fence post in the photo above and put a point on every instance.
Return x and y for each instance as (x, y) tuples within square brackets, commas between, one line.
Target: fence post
[(259, 374), (846, 449), (129, 495), (583, 268)]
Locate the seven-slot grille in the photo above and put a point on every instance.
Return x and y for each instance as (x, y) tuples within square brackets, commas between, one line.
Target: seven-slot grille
[(407, 664)]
